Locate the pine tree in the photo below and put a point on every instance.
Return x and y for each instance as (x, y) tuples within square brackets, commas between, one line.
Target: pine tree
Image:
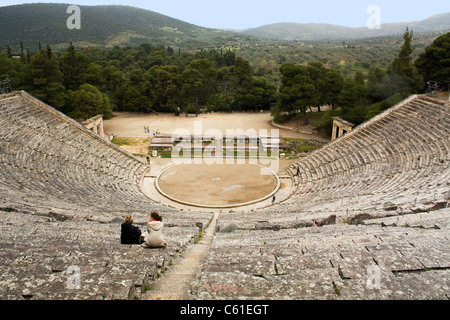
[(22, 52), (73, 67), (297, 92), (406, 75), (434, 63), (45, 79), (88, 102)]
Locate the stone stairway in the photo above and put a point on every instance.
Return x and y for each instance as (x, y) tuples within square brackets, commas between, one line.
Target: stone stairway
[(178, 282)]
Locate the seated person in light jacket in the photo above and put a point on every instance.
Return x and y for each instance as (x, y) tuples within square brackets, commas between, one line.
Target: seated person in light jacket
[(129, 233), (155, 228)]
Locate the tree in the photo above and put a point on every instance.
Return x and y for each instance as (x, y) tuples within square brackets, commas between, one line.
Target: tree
[(44, 78), (229, 58), (9, 51), (263, 92), (192, 81), (317, 74), (360, 88), (11, 67), (199, 81), (224, 78), (113, 77), (93, 75), (406, 76), (134, 92), (331, 87), (242, 73), (348, 96), (434, 63), (73, 67), (374, 80), (22, 52), (164, 83), (242, 83), (157, 57), (328, 84), (87, 102), (297, 93)]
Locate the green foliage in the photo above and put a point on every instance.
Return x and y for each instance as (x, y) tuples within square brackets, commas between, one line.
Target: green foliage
[(13, 68), (73, 66), (320, 31), (106, 26), (165, 86), (87, 102), (328, 83), (137, 78), (379, 107), (297, 91), (134, 93), (357, 98), (434, 63), (406, 77), (43, 78)]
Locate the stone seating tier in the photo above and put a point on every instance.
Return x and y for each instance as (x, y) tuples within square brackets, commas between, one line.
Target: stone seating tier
[(400, 159), (375, 197), (36, 259), (51, 162), (331, 262)]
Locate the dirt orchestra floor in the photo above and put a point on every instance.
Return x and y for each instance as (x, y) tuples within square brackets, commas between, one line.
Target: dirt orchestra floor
[(209, 185), (219, 184)]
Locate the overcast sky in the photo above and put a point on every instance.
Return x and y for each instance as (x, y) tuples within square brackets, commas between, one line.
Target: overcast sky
[(242, 14)]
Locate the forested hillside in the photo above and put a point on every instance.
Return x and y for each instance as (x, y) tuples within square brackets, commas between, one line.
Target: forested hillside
[(104, 26)]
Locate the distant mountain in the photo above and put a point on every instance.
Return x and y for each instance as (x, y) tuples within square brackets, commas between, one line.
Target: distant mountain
[(318, 31), (103, 26), (108, 26)]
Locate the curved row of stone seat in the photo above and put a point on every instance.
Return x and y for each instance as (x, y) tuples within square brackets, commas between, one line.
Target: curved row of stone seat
[(40, 255), (332, 262), (55, 145), (64, 192), (45, 153), (400, 158), (50, 163)]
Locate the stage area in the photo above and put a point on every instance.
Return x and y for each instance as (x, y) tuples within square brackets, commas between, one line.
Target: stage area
[(218, 185)]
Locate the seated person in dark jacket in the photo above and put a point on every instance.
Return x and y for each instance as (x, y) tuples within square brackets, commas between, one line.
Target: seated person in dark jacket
[(129, 233)]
